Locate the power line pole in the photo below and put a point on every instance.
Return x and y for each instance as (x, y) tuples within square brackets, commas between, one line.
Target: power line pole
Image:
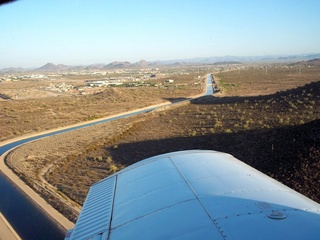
[(298, 69)]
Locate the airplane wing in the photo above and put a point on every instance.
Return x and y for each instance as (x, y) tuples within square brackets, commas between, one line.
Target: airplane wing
[(196, 194)]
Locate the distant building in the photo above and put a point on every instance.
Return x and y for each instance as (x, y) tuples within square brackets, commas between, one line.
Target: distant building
[(97, 84)]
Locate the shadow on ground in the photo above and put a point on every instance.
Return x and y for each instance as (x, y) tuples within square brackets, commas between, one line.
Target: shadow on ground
[(176, 100), (211, 99), (289, 154)]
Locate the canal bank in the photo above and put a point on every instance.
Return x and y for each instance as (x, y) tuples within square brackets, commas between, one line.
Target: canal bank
[(25, 216), (16, 193), (29, 214), (6, 230)]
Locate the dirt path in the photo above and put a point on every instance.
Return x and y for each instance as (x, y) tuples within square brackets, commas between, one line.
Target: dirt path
[(23, 167)]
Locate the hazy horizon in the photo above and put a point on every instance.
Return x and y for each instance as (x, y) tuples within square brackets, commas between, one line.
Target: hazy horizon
[(196, 60), (80, 32)]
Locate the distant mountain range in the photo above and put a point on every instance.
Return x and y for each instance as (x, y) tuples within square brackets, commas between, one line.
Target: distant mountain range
[(303, 58)]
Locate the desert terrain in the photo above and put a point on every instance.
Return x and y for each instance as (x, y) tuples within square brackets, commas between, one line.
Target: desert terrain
[(268, 118), (31, 105)]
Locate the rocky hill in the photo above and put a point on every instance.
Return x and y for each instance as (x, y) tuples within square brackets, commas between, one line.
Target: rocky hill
[(52, 67)]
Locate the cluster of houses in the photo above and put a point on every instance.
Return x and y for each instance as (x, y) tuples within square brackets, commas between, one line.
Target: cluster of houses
[(63, 87)]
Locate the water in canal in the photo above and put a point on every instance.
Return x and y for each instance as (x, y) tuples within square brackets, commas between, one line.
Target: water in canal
[(28, 220)]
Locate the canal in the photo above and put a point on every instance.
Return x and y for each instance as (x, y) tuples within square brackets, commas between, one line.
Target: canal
[(28, 220)]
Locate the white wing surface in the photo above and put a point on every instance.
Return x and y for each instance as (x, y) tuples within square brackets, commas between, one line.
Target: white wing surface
[(195, 194)]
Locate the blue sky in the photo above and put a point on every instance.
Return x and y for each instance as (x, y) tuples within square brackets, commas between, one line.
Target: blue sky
[(73, 32)]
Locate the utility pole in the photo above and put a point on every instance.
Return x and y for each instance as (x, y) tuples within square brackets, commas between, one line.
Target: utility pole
[(298, 69)]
